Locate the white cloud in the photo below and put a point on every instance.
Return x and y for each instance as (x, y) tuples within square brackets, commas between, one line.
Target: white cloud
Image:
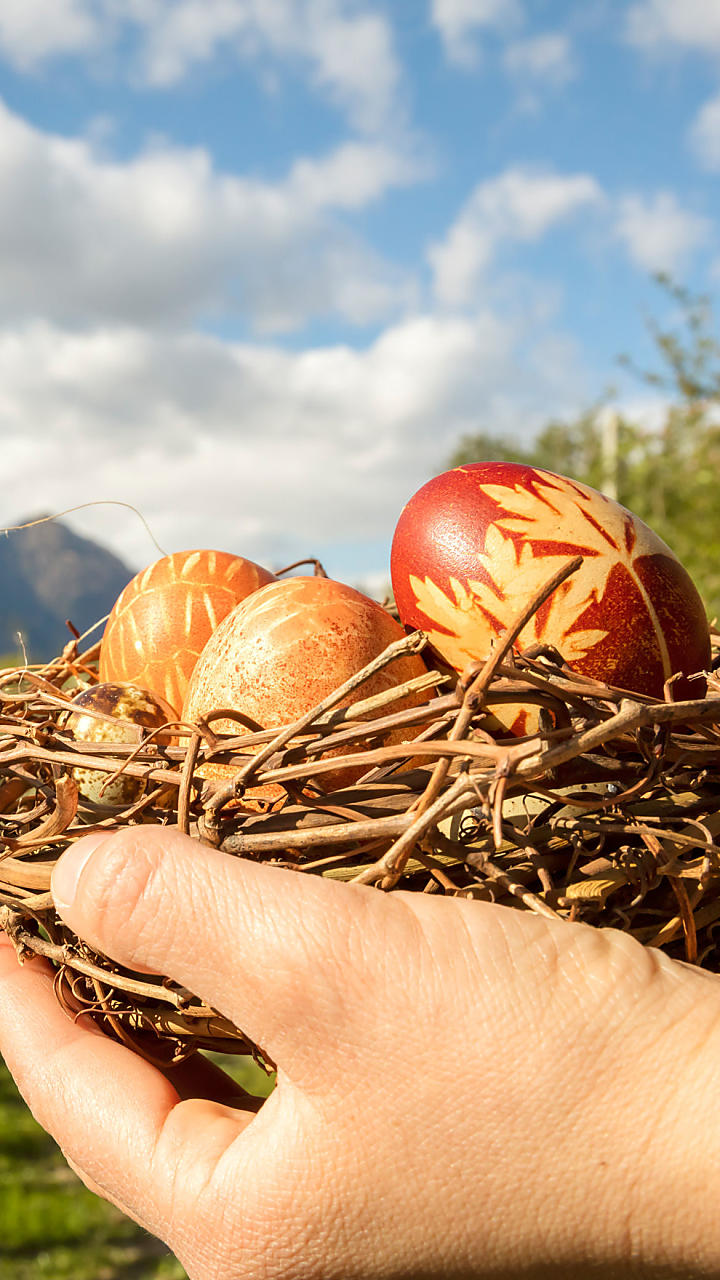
[(667, 26), (353, 175), (705, 134), (354, 59), (518, 206), (459, 21), (346, 49), (542, 59), (165, 236), (658, 234), (271, 453), (31, 30)]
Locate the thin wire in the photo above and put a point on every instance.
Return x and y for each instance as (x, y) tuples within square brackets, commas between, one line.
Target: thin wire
[(103, 502)]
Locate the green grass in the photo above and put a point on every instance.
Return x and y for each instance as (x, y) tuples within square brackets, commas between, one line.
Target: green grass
[(51, 1226)]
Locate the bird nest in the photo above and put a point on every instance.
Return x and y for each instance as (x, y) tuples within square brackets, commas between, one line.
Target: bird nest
[(608, 814)]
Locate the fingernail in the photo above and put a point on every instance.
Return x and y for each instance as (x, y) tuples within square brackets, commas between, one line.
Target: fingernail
[(68, 869)]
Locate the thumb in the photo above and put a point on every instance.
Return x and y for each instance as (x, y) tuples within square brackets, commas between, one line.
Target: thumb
[(260, 944)]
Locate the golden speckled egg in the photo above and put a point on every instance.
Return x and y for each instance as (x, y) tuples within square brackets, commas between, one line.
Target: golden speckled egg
[(111, 712), (289, 645), (162, 620), (476, 543)]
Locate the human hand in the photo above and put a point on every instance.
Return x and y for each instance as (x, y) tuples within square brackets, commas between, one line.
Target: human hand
[(463, 1089)]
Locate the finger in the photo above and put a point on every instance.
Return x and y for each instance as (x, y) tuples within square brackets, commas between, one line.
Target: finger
[(264, 946), (117, 1119)]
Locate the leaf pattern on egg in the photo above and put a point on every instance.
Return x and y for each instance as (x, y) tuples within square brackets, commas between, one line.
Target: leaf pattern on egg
[(551, 511)]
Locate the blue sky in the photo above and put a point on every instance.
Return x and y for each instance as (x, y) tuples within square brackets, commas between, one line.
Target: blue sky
[(264, 262)]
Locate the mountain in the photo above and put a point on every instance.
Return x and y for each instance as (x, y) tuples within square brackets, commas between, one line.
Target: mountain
[(48, 574)]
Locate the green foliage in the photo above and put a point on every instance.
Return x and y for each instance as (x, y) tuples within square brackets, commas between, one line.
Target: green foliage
[(668, 476)]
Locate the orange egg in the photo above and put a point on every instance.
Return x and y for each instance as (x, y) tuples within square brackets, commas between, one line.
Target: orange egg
[(285, 648), (476, 543), (162, 620)]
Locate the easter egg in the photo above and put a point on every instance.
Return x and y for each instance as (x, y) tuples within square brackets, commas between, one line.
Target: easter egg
[(105, 713), (289, 645), (474, 545), (162, 620)]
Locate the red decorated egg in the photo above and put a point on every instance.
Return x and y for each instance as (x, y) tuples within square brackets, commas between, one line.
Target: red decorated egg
[(163, 619), (112, 713), (474, 544), (289, 645)]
